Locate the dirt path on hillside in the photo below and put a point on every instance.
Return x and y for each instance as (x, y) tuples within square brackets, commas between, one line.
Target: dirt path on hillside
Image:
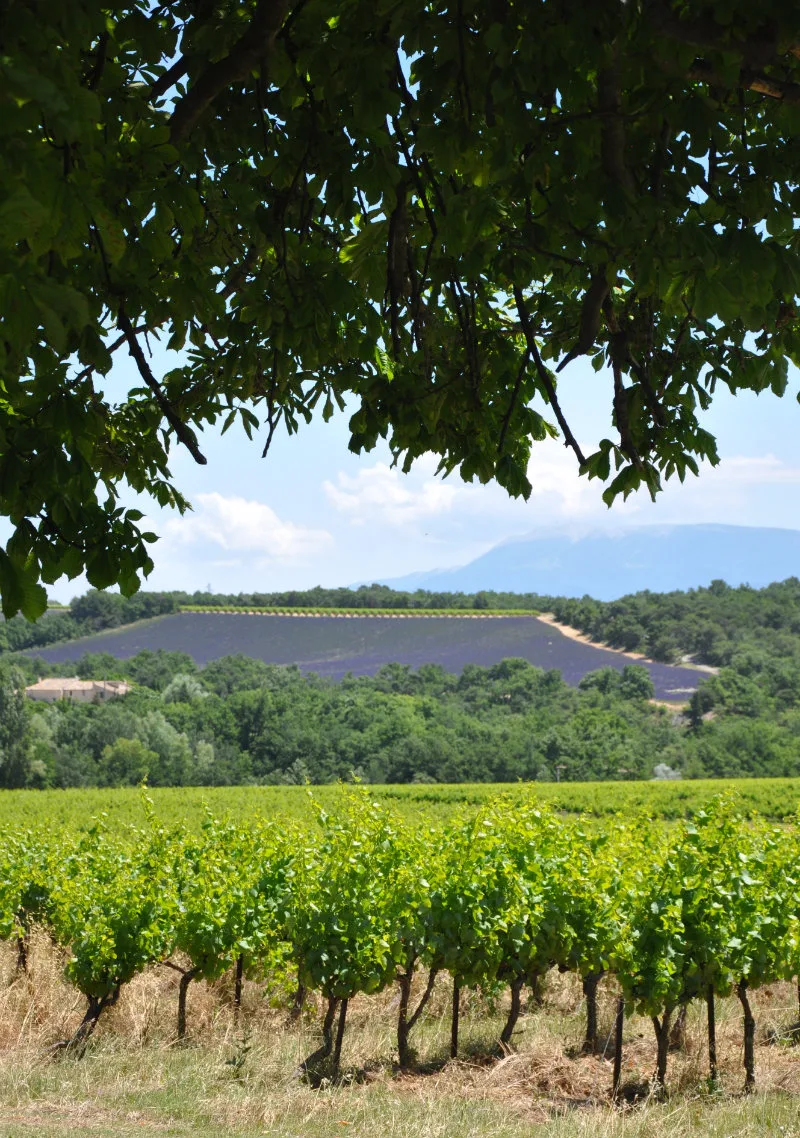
[(575, 634)]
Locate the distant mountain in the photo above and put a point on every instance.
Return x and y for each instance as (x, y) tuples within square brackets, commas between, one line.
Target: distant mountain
[(609, 565)]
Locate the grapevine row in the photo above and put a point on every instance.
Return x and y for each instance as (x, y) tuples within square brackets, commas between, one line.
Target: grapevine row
[(360, 902)]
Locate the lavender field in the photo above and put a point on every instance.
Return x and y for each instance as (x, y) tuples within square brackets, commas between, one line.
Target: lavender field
[(333, 646)]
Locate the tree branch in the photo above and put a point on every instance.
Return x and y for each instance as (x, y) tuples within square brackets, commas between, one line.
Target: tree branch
[(775, 88), (203, 10), (171, 76), (99, 62), (245, 56), (756, 52), (618, 351), (272, 419), (778, 89), (612, 137), (183, 433), (426, 995), (591, 312), (544, 375), (171, 964), (239, 275), (513, 401)]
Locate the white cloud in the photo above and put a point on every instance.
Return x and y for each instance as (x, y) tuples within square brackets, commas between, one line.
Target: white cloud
[(558, 493), (760, 470), (387, 524), (461, 516), (381, 493), (238, 525), (741, 490)]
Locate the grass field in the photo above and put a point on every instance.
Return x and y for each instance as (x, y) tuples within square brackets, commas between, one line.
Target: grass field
[(240, 1078), (777, 799)]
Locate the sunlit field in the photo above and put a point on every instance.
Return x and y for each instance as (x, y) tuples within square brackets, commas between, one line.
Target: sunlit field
[(774, 798)]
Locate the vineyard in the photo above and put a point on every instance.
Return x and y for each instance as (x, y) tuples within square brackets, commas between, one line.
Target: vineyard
[(71, 811), (361, 902)]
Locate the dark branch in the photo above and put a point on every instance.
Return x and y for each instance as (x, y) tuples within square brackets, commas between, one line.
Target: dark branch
[(175, 967), (90, 369), (273, 419), (183, 433), (545, 378), (783, 92), (409, 103), (239, 275), (523, 367), (591, 312), (756, 51), (621, 417), (99, 62), (612, 137), (246, 55), (775, 88), (618, 351), (170, 77), (426, 995)]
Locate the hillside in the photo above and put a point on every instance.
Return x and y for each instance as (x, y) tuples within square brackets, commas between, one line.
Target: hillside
[(240, 721), (428, 696), (334, 646), (752, 636), (718, 625), (610, 565), (744, 721)]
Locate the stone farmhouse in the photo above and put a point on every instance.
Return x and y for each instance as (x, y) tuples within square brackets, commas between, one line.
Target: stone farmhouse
[(79, 691)]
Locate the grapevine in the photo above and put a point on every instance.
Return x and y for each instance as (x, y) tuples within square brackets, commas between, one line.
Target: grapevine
[(361, 901)]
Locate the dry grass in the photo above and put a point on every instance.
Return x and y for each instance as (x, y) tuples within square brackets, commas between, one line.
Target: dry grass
[(241, 1079)]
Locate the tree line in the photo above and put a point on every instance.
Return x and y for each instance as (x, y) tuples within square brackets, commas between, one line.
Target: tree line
[(719, 625), (240, 721), (98, 609), (752, 636), (85, 615)]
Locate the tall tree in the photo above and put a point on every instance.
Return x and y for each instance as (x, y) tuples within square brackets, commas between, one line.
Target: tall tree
[(425, 208), (14, 731)]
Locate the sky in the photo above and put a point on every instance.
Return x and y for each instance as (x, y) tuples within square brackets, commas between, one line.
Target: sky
[(313, 513)]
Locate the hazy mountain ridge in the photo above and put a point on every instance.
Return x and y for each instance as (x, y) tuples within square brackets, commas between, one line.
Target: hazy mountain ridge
[(607, 565)]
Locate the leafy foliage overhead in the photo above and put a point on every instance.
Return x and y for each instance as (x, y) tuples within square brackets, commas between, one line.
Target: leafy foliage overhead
[(425, 209)]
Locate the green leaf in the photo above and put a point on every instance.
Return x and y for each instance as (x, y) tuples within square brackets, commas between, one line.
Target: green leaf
[(111, 234)]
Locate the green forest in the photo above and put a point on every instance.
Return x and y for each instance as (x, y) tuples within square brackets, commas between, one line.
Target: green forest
[(240, 721), (752, 636)]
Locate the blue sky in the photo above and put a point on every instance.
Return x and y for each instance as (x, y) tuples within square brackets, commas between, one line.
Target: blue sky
[(313, 513)]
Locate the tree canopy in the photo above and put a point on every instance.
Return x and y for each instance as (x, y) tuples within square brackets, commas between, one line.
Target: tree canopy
[(424, 209)]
